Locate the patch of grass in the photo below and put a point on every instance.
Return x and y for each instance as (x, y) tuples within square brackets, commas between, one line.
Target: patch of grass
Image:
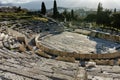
[(21, 15), (13, 15), (41, 19)]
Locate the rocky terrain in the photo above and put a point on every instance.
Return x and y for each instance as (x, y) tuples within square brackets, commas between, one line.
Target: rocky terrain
[(21, 59), (18, 61), (104, 73), (21, 66)]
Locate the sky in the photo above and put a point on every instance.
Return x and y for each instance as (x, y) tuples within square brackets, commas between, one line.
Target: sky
[(69, 3)]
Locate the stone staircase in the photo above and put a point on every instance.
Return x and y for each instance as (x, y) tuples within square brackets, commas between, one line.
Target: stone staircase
[(21, 66)]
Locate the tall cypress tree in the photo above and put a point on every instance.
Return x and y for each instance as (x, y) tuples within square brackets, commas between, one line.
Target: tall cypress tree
[(43, 8), (55, 11), (115, 10), (19, 8), (99, 14), (72, 14)]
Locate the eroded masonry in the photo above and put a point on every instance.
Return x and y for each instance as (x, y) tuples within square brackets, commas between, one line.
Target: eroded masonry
[(36, 50)]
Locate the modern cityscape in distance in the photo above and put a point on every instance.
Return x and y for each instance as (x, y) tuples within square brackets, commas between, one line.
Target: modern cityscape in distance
[(59, 40)]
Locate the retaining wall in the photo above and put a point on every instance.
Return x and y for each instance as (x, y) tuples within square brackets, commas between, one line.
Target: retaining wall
[(75, 55), (101, 35), (105, 36)]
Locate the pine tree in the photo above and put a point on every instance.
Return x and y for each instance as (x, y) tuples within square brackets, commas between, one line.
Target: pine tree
[(55, 11), (43, 8)]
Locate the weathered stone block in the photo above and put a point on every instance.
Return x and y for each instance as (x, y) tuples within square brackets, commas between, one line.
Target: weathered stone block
[(22, 48), (67, 59), (39, 52)]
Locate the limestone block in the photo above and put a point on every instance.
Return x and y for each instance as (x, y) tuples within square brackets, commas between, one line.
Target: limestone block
[(82, 74), (39, 52), (29, 47), (67, 59), (6, 44), (111, 62), (91, 64), (22, 47), (118, 62), (1, 44)]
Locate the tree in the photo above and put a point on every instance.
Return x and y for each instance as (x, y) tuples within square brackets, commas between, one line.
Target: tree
[(55, 11), (19, 9), (43, 8), (115, 10), (116, 20), (90, 18), (65, 13), (99, 14), (72, 14), (106, 17), (69, 16)]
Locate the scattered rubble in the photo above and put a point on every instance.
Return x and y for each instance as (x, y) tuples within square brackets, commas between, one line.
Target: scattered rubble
[(104, 73), (90, 65), (18, 60), (23, 66)]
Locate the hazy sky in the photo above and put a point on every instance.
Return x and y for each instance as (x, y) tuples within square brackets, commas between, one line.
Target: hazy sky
[(73, 3)]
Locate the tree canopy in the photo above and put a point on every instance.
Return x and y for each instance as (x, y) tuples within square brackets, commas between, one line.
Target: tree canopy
[(99, 17), (55, 10), (43, 8)]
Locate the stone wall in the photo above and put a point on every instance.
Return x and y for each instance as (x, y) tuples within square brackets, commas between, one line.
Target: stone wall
[(101, 35), (105, 36), (75, 55), (103, 62)]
